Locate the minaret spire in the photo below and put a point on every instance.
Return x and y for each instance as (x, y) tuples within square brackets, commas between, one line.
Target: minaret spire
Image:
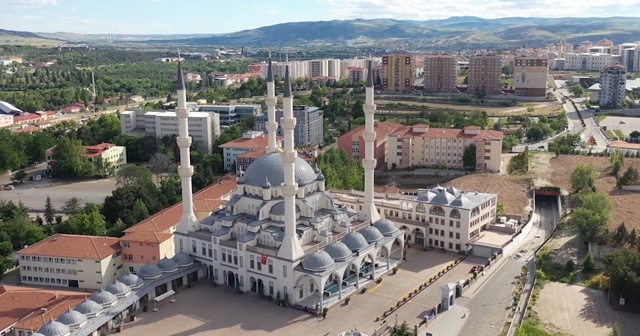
[(369, 211), (290, 248), (271, 125), (185, 170)]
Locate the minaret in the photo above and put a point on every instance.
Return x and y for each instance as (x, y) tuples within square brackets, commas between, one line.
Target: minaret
[(369, 211), (290, 248), (271, 125), (185, 170)]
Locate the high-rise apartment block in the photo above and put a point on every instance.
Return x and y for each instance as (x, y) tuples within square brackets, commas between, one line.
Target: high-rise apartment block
[(484, 75), (613, 85), (309, 130), (397, 73), (530, 76), (439, 73)]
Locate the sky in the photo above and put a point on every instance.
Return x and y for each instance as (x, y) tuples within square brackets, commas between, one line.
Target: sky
[(224, 16)]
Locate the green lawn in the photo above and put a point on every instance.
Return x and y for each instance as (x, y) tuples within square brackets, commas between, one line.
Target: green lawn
[(620, 135), (611, 135)]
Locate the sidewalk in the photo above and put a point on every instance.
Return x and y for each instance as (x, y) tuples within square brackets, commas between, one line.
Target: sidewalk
[(450, 322)]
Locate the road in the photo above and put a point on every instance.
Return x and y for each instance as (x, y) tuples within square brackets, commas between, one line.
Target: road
[(490, 304)]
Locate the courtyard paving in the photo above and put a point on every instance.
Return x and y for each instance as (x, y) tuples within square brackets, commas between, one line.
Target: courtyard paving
[(203, 310)]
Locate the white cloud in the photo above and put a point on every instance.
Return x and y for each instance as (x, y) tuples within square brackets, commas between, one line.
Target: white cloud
[(431, 9), (33, 3)]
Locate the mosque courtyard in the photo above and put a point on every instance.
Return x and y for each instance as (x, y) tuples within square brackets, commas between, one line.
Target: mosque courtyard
[(204, 310)]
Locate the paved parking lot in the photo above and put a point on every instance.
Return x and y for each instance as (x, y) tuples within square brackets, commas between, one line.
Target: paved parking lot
[(627, 126), (582, 311), (203, 310)]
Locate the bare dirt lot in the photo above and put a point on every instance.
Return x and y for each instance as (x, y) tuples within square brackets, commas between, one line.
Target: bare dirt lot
[(540, 108), (581, 311)]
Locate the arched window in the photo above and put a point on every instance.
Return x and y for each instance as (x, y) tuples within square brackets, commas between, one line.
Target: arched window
[(454, 213), (436, 210), (420, 208), (475, 212)]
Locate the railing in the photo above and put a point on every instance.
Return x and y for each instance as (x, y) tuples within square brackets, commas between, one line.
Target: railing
[(260, 250)]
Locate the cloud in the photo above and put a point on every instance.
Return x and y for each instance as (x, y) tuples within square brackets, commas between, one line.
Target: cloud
[(431, 9), (33, 3)]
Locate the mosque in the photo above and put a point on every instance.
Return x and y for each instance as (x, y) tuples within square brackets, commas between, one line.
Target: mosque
[(281, 236)]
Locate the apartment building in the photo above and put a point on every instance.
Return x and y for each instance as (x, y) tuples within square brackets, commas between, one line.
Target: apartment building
[(397, 73), (75, 261), (484, 75), (6, 120), (352, 142), (231, 114), (439, 73), (440, 217), (144, 247), (630, 56), (204, 127), (356, 74), (421, 145), (250, 141), (589, 61), (613, 85), (309, 129), (110, 154), (530, 76)]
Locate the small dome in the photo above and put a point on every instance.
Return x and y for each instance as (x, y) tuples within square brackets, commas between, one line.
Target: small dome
[(320, 177), (131, 280), (317, 261), (149, 271), (118, 289), (385, 226), (371, 234), (183, 259), (89, 307), (278, 209), (338, 251), (72, 318), (104, 298), (355, 241), (266, 184), (453, 191), (54, 328), (167, 265), (36, 334), (241, 180)]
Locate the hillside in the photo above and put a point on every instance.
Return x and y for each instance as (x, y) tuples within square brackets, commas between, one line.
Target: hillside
[(20, 37), (462, 32)]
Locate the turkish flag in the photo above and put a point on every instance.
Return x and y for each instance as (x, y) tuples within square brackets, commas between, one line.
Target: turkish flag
[(263, 259)]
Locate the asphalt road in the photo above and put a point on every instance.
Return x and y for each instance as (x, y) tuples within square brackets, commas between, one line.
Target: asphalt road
[(490, 304)]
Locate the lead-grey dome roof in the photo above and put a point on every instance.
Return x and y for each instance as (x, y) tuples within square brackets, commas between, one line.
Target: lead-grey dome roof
[(167, 265), (338, 251), (132, 280), (118, 289), (104, 298), (371, 234), (443, 197), (426, 197), (318, 261), (183, 259), (355, 241), (72, 318), (278, 209), (54, 328), (269, 167), (149, 271), (89, 307), (36, 334), (385, 226)]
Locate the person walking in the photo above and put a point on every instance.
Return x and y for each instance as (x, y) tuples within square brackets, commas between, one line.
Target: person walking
[(324, 314)]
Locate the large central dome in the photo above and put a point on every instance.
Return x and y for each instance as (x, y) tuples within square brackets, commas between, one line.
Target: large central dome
[(269, 167)]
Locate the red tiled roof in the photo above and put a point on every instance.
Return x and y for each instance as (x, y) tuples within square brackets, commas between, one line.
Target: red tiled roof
[(623, 145), (26, 117), (83, 247), (382, 129), (258, 142), (253, 154), (24, 305), (147, 237), (451, 133)]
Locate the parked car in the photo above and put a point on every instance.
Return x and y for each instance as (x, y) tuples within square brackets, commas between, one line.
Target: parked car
[(477, 268), (9, 187)]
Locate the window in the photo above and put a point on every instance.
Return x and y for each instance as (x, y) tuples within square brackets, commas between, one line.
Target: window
[(284, 270), (270, 268), (457, 235), (194, 248), (259, 266), (451, 246), (235, 259), (210, 250), (450, 234), (252, 264), (224, 257)]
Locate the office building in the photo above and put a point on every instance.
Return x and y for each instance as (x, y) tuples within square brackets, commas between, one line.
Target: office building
[(309, 129), (484, 75), (353, 143), (424, 146), (589, 62), (231, 114), (397, 73), (6, 120), (439, 74), (250, 141), (630, 56), (613, 85), (204, 126), (530, 76)]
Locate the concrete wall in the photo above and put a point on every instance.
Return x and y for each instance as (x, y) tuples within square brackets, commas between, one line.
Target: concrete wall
[(631, 188), (599, 251)]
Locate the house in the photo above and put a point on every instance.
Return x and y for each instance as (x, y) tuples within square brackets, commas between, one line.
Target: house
[(111, 155), (352, 142), (624, 147), (73, 108)]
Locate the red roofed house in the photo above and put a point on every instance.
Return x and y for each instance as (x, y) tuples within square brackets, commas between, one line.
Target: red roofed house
[(420, 145), (24, 310), (73, 108), (250, 141), (71, 261), (26, 119), (353, 143), (115, 156)]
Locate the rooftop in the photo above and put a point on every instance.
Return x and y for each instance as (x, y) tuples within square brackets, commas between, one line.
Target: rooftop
[(624, 145), (382, 129), (84, 247), (147, 237), (452, 133), (257, 142)]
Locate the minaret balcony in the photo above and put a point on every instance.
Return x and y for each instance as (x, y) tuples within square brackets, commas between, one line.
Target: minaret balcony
[(369, 109), (271, 101), (288, 157), (182, 113), (271, 126), (369, 137), (369, 163), (288, 124), (184, 142), (185, 171), (290, 190)]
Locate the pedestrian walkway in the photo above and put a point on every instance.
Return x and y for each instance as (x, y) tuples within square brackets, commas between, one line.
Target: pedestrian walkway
[(450, 322)]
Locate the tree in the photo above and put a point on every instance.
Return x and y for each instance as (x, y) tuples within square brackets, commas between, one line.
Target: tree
[(249, 124), (19, 175), (469, 157), (621, 234), (576, 90), (591, 215), (588, 264), (615, 330), (507, 70), (340, 171), (49, 211), (508, 142), (632, 238), (357, 110), (134, 175), (584, 177), (617, 162), (72, 206), (161, 164), (117, 230), (70, 159), (5, 249), (630, 177), (139, 211), (88, 224), (623, 269)]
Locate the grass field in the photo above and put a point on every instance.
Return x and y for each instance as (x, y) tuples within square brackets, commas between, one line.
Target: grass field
[(619, 134), (12, 40)]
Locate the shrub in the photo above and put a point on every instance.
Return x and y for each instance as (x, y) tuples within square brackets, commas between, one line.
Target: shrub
[(588, 264), (569, 266), (325, 309), (363, 290), (379, 280), (395, 269), (377, 319), (347, 300)]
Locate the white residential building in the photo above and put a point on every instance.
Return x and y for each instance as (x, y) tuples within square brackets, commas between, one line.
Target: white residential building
[(613, 85), (6, 120), (204, 127), (72, 261), (589, 62), (250, 141)]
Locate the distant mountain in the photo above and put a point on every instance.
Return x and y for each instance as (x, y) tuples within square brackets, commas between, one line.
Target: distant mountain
[(12, 37), (461, 31), (13, 33)]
